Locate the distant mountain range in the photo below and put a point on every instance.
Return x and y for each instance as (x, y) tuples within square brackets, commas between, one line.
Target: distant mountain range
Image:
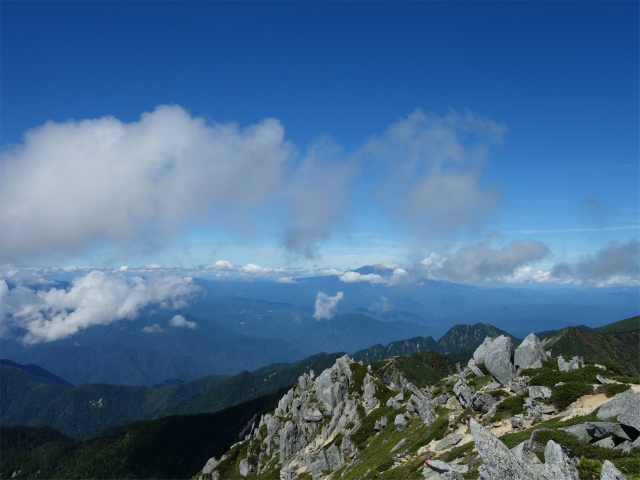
[(245, 325)]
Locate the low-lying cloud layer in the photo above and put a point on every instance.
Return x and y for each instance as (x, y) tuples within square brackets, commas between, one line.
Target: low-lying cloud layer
[(615, 264), (483, 262), (97, 298)]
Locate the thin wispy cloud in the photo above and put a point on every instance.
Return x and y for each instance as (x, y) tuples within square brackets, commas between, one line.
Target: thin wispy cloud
[(577, 230)]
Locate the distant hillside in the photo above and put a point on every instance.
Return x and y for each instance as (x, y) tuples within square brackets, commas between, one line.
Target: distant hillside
[(618, 342), (37, 371), (93, 409), (627, 325), (402, 347), (464, 337), (172, 447), (28, 399), (246, 386)]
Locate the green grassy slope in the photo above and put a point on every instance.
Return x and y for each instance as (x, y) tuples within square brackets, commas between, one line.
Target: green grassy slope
[(618, 342), (627, 325), (421, 369)]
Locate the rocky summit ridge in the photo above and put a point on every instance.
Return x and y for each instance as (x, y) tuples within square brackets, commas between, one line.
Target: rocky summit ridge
[(511, 413)]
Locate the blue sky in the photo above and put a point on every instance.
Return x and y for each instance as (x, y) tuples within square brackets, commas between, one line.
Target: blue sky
[(472, 142)]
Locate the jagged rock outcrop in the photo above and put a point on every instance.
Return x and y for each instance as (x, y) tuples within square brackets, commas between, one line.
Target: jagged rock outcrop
[(420, 403), (439, 466), (529, 353), (539, 392), (521, 462), (292, 438), (573, 364), (463, 393), (319, 427), (482, 402), (394, 402), (497, 461)]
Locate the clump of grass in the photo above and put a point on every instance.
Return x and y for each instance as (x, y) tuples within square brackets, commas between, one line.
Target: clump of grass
[(383, 393), (438, 429), (359, 372), (457, 452), (613, 389), (564, 395), (473, 472), (589, 469), (359, 438), (514, 405)]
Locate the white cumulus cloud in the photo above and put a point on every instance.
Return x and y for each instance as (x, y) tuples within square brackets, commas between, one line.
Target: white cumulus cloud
[(326, 306), (180, 321), (97, 298)]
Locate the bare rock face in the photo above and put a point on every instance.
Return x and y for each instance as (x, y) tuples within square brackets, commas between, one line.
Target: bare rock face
[(444, 467), (598, 430), (499, 359), (474, 368), (530, 353), (481, 352), (500, 463), (630, 416), (394, 402), (245, 468), (449, 440), (369, 400), (292, 439), (619, 405)]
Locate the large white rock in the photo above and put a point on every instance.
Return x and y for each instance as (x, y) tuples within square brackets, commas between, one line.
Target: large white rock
[(499, 359), (529, 353)]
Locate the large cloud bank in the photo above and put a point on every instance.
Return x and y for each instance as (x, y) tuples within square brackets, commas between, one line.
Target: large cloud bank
[(77, 185), (97, 298), (74, 185)]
